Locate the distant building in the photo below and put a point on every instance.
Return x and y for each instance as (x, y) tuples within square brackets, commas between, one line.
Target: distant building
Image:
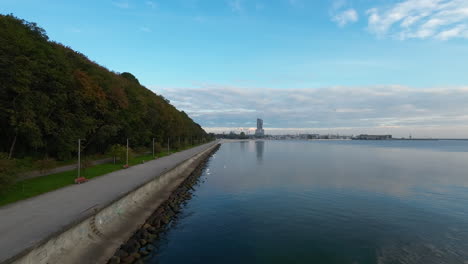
[(373, 137), (259, 132)]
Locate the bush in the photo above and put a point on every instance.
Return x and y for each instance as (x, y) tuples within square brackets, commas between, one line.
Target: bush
[(116, 151), (85, 164), (45, 165), (8, 174), (175, 145), (157, 148), (120, 152), (141, 150)]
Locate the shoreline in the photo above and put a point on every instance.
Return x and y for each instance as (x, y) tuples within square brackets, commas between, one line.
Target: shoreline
[(143, 243), (81, 223)]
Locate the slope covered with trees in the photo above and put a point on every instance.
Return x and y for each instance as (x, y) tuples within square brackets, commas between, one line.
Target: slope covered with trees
[(51, 95)]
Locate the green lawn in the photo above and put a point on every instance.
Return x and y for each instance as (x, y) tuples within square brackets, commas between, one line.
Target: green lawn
[(27, 164), (35, 186)]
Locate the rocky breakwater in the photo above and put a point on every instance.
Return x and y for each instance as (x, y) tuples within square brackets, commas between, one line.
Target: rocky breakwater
[(142, 243)]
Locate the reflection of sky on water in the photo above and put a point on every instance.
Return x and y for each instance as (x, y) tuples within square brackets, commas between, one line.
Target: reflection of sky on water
[(327, 202), (393, 171)]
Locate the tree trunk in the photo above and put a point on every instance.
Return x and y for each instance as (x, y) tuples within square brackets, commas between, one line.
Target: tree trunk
[(12, 146)]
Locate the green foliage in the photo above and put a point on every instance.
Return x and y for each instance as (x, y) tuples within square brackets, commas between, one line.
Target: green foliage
[(117, 152), (86, 163), (130, 77), (242, 135), (157, 147), (175, 145), (8, 174), (45, 165), (31, 187), (51, 95), (141, 150), (131, 155)]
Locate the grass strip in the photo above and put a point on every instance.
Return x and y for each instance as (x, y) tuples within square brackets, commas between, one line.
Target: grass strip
[(35, 186)]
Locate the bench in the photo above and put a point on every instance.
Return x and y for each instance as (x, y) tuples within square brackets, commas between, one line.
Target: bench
[(80, 180)]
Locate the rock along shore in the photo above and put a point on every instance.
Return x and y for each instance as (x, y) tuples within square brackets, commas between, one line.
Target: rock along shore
[(141, 246)]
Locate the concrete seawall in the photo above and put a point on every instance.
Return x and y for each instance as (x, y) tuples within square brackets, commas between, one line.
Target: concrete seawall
[(96, 238)]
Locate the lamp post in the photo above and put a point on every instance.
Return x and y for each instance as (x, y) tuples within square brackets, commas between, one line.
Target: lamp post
[(127, 152), (79, 156), (153, 147), (168, 148)]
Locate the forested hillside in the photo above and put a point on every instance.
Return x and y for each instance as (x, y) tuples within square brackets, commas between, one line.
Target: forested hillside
[(51, 95)]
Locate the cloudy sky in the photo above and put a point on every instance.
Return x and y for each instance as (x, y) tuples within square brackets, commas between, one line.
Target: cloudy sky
[(337, 66)]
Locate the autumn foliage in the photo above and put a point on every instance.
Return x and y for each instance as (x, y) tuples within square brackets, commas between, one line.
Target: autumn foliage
[(51, 95)]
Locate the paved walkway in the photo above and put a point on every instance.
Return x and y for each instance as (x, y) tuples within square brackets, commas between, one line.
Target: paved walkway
[(26, 223)]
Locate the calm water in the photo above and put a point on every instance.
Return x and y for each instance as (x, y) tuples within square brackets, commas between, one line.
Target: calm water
[(326, 202)]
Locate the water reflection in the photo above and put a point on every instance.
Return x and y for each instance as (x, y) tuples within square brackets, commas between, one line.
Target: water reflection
[(259, 148), (327, 202), (242, 146)]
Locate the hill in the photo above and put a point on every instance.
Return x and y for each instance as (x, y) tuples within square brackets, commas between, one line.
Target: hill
[(51, 95)]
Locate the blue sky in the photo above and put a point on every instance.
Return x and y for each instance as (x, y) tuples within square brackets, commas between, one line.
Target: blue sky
[(202, 53)]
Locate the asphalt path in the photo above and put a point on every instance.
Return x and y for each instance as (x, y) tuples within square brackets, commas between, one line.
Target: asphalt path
[(26, 223)]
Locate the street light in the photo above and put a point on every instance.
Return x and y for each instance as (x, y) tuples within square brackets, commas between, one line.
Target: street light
[(153, 147), (127, 152), (79, 156)]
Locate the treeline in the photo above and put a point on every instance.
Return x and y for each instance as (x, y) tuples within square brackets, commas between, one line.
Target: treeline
[(233, 135), (51, 95)]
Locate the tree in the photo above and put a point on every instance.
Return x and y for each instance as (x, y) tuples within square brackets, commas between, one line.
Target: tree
[(117, 152), (51, 95), (242, 135), (8, 172), (45, 165)]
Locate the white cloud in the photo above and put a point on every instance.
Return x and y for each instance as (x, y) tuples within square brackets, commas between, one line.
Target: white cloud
[(422, 19), (342, 15), (359, 109), (345, 17), (235, 5), (457, 31)]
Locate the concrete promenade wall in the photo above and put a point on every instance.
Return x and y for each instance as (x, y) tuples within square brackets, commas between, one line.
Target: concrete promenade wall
[(95, 239)]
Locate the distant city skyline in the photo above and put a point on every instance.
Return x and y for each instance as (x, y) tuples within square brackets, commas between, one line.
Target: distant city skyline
[(424, 133), (259, 132), (340, 65)]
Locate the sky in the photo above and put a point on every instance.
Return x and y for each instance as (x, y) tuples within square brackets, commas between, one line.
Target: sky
[(304, 66)]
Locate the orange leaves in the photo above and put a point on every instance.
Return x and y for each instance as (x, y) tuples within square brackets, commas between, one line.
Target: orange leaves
[(89, 90)]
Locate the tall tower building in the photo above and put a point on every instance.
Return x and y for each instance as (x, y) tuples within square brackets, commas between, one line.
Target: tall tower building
[(259, 132)]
